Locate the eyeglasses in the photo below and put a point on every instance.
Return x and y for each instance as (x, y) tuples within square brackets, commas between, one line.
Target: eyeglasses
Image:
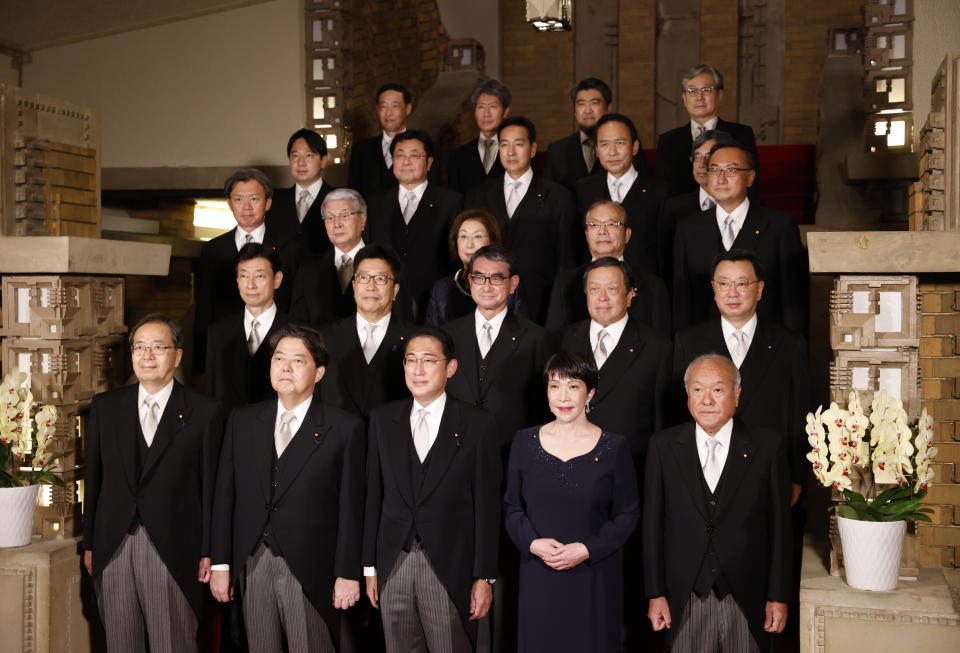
[(600, 225), (428, 363), (740, 285), (379, 279), (700, 156), (494, 279), (140, 349), (706, 90), (343, 216), (730, 173)]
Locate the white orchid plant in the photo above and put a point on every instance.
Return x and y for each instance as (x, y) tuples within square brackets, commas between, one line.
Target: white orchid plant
[(845, 440), (26, 430)]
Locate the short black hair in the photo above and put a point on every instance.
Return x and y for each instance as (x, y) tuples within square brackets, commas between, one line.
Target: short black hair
[(251, 251), (446, 342), (618, 117), (382, 252), (519, 121), (735, 255), (592, 84), (314, 141), (609, 262), (402, 90), (413, 135), (493, 87), (751, 159), (311, 338), (248, 174), (717, 136), (497, 253), (176, 332), (567, 364)]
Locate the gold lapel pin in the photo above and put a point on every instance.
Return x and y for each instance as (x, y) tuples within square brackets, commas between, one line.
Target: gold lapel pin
[(745, 456), (631, 350), (757, 232), (514, 338), (596, 459), (179, 416)]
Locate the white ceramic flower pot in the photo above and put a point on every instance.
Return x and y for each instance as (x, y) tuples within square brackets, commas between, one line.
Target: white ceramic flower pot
[(871, 553), (17, 505)]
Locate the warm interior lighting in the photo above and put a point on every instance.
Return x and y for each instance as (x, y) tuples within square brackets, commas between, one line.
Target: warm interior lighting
[(550, 15), (212, 218)]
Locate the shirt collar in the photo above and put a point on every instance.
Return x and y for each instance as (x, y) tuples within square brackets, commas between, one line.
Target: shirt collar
[(524, 179), (739, 214), (383, 322), (386, 140), (584, 137), (615, 330), (707, 126), (749, 328), (496, 321), (313, 189), (258, 234), (300, 411), (265, 319), (434, 408), (417, 190), (338, 253), (723, 435), (704, 195), (162, 396), (626, 179)]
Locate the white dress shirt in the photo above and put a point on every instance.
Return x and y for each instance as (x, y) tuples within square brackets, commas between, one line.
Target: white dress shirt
[(707, 126), (733, 347), (378, 335), (524, 180), (264, 321), (313, 190), (495, 323), (739, 216), (162, 397), (722, 436), (338, 254), (241, 236), (385, 142), (706, 201), (614, 331), (417, 191), (626, 183)]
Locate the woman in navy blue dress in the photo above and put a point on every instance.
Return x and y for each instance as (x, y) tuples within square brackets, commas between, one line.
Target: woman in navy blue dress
[(571, 503)]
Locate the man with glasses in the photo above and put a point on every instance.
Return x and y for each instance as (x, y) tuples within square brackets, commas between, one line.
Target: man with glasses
[(366, 348), (737, 223), (607, 229), (371, 159), (323, 289), (617, 146), (702, 93), (151, 462), (432, 518), (413, 217)]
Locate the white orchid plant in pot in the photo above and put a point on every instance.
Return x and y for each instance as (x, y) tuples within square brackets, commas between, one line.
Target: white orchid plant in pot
[(852, 453)]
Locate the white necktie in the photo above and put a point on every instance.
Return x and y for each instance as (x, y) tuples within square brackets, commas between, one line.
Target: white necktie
[(253, 342), (486, 340), (151, 419), (410, 206), (421, 435), (370, 343), (303, 204), (729, 233), (345, 272), (513, 199), (284, 433), (600, 353), (618, 190), (489, 153), (711, 467), (740, 349)]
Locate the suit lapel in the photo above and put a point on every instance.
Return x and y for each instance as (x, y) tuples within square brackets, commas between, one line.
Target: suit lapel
[(762, 351), (753, 230), (466, 338), (306, 441), (422, 217), (506, 344), (263, 447), (445, 447), (619, 361), (684, 449), (395, 443), (533, 200), (354, 364), (175, 416), (735, 468), (126, 443)]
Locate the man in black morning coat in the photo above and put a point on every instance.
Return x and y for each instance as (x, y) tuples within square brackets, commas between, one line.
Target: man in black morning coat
[(369, 170), (475, 161)]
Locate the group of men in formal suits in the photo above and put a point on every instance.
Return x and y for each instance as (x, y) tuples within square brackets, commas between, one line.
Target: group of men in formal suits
[(362, 444)]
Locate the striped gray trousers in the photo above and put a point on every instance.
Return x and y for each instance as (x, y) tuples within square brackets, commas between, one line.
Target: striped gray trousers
[(712, 625), (140, 600)]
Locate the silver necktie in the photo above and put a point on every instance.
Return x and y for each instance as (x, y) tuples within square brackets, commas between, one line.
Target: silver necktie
[(253, 342), (489, 153), (618, 190), (303, 204), (248, 239), (729, 233), (711, 467), (151, 419), (700, 130), (589, 153), (486, 340), (369, 343), (513, 199), (600, 353), (740, 349), (410, 206), (421, 435), (345, 272), (708, 204), (284, 433), (387, 157)]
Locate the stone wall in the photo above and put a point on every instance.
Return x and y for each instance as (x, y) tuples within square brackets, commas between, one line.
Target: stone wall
[(940, 392), (719, 47), (636, 67)]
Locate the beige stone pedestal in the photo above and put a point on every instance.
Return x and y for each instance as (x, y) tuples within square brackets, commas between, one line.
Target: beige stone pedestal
[(40, 609)]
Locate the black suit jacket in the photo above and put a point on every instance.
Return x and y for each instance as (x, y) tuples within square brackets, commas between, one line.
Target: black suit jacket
[(775, 382), (750, 527), (422, 244), (541, 234), (465, 167), (632, 392), (310, 499), (283, 215), (216, 282), (771, 235), (650, 306), (367, 172), (642, 204), (509, 381), (565, 164), (170, 490), (355, 385), (457, 511), (234, 377), (673, 210), (673, 155), (317, 298)]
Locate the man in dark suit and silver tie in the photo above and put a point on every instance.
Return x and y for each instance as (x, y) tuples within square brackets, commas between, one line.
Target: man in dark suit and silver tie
[(371, 161), (151, 460), (432, 520), (716, 522), (287, 515), (475, 161)]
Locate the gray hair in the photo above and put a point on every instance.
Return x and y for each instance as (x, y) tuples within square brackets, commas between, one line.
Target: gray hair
[(345, 194), (492, 87), (714, 358), (248, 174), (176, 332), (699, 70)]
